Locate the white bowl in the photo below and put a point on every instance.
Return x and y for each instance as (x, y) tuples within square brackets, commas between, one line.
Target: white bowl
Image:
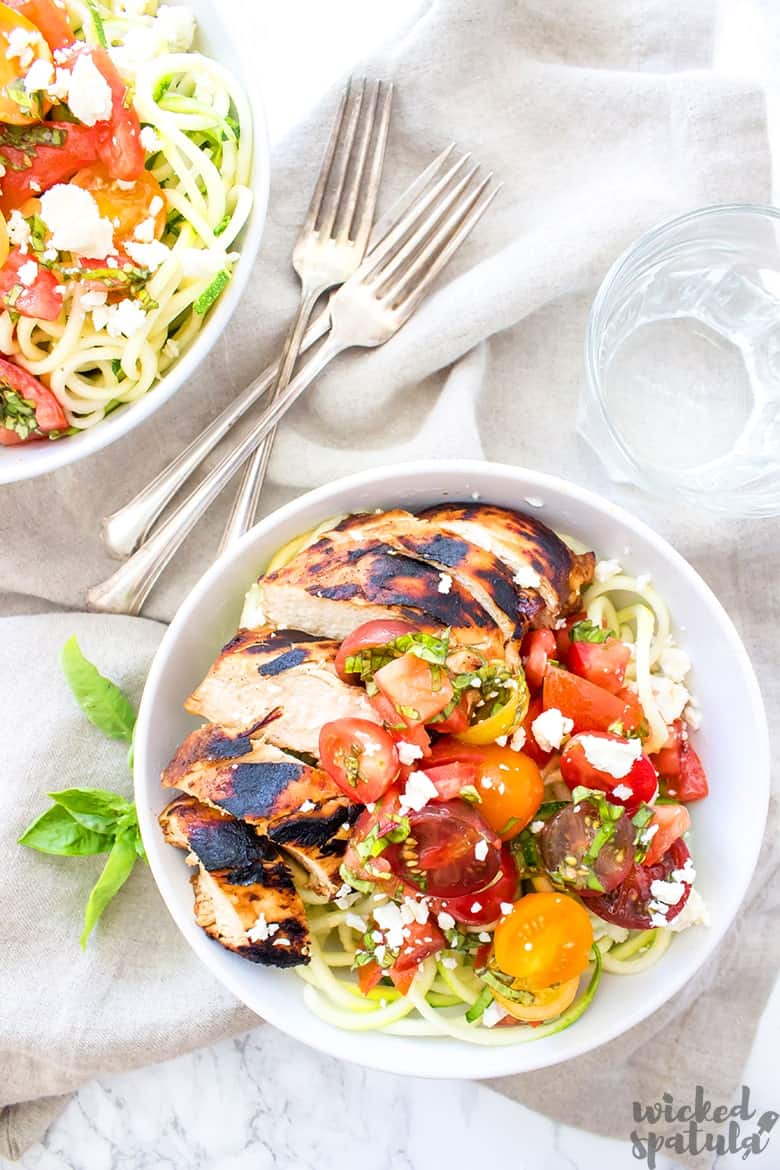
[(220, 38), (733, 742)]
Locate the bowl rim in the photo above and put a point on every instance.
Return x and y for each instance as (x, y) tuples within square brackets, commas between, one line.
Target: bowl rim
[(121, 422), (486, 1061)]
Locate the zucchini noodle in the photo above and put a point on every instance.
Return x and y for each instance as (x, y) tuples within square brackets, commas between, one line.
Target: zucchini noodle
[(200, 132)]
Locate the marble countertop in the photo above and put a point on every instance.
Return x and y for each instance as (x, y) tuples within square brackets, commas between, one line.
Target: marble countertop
[(264, 1100)]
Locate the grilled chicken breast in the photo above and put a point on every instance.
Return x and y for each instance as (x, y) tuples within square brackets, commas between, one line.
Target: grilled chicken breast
[(244, 893), (544, 566), (296, 805), (336, 584), (284, 679)]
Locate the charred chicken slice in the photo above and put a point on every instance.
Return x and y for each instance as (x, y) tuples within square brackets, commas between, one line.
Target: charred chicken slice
[(244, 893), (296, 805), (544, 567), (283, 678)]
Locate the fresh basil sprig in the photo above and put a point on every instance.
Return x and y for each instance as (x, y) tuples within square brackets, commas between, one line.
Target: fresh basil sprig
[(83, 822)]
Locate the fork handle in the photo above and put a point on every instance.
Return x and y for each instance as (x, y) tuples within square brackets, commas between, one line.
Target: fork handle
[(127, 589), (126, 528), (244, 509)]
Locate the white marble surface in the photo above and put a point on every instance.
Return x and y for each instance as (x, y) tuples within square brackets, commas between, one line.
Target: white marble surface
[(264, 1100)]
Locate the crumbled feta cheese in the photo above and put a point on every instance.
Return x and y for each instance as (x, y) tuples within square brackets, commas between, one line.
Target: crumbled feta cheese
[(28, 272), (418, 791), (675, 663), (200, 263), (493, 1014), (486, 782), (388, 918), (667, 892), (606, 569), (450, 962), (23, 44), (73, 218), (622, 792), (120, 320), (476, 907), (89, 96), (144, 231), (356, 922), (59, 87), (602, 929), (481, 849), (19, 231), (408, 752), (643, 580), (517, 742), (527, 578), (262, 929), (658, 919), (177, 26), (534, 501), (93, 298), (346, 897), (616, 757), (128, 185), (501, 740), (671, 697), (445, 583), (415, 910), (39, 76), (536, 827), (156, 205), (149, 140), (446, 921), (484, 936), (306, 806), (693, 913), (686, 874), (379, 953), (506, 907), (692, 715), (549, 729), (149, 256)]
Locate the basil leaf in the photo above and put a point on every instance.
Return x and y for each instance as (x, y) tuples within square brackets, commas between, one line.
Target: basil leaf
[(94, 808), (115, 873), (586, 631), (101, 700), (55, 831)]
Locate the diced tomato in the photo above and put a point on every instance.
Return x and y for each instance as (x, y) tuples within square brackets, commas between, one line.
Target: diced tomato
[(416, 690), (39, 299), (450, 779), (672, 820), (531, 747), (562, 640), (368, 637), (368, 976), (679, 766), (537, 647), (602, 663), (49, 415), (120, 139), (360, 757), (577, 770), (423, 939), (49, 17), (591, 708), (38, 157), (489, 901), (629, 905), (397, 726), (456, 722)]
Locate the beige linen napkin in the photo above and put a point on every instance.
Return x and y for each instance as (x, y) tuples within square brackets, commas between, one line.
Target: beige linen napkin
[(601, 120)]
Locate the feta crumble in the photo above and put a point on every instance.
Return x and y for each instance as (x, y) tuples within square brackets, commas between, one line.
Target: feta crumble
[(89, 95), (149, 140), (73, 218), (693, 913), (418, 791), (150, 255), (39, 76), (606, 569), (527, 578), (550, 728), (23, 44), (120, 320), (517, 742), (306, 806), (675, 663), (19, 231), (446, 921), (27, 273), (445, 583), (481, 849), (614, 756), (408, 752), (388, 918), (671, 697), (493, 1014), (262, 930)]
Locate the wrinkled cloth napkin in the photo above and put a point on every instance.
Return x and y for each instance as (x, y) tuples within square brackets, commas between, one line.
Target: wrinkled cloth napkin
[(601, 120)]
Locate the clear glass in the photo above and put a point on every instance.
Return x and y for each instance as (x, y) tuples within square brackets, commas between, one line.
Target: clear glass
[(683, 362)]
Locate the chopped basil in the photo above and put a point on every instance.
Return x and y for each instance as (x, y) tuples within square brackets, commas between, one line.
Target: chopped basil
[(26, 138), (212, 293), (351, 879), (17, 414), (586, 631), (30, 102), (504, 984)]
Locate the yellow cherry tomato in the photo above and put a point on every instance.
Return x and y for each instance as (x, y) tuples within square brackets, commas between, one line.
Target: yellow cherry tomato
[(126, 207), (548, 1003), (502, 722), (545, 939), (509, 783), (4, 245), (21, 45)]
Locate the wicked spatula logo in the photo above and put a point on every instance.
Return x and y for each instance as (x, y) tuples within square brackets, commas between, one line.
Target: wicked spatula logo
[(699, 1127)]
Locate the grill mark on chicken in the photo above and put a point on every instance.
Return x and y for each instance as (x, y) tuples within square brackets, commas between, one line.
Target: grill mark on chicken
[(257, 787), (316, 830), (284, 662)]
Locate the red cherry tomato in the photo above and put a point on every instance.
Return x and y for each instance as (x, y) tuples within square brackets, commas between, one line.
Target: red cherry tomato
[(602, 663), (629, 904), (562, 640), (576, 770), (368, 976), (679, 766), (360, 757), (48, 414), (417, 690), (38, 299), (421, 940), (450, 779), (48, 18), (367, 637), (567, 837), (398, 728), (489, 901), (33, 166), (450, 851), (537, 647), (456, 722), (531, 747), (672, 820), (590, 707), (119, 139)]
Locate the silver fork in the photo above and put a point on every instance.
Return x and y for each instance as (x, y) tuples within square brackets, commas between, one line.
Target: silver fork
[(331, 244), (366, 311), (125, 529)]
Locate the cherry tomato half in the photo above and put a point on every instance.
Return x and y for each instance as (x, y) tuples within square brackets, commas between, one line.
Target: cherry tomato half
[(51, 19), (450, 779), (48, 414), (546, 939), (638, 786), (567, 837), (602, 663), (547, 1003), (450, 851), (38, 299), (367, 637), (488, 902), (126, 209), (509, 784), (417, 690), (628, 904), (531, 747), (538, 646), (672, 820), (421, 940), (679, 766), (360, 757), (590, 707), (33, 166)]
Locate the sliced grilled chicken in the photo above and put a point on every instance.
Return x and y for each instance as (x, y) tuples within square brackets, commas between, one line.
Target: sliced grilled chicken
[(336, 584), (298, 806), (285, 680), (244, 893), (544, 567)]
